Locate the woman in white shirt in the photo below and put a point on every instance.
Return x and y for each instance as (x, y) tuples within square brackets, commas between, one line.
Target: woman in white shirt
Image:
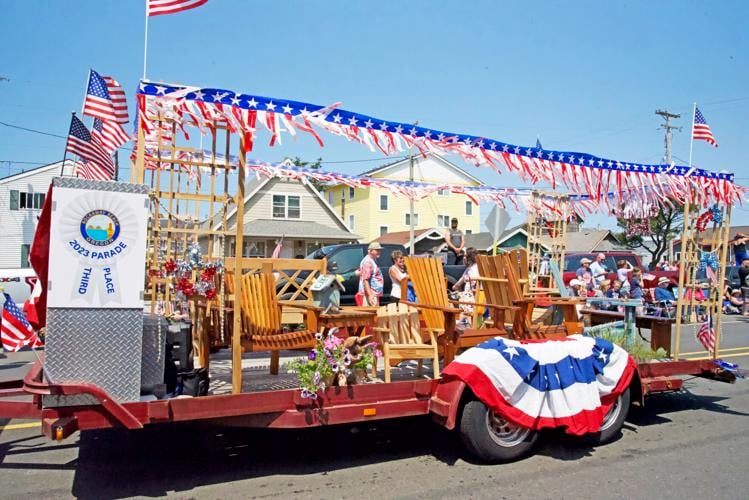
[(397, 274)]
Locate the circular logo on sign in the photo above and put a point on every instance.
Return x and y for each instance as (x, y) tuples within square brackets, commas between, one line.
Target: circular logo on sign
[(100, 227)]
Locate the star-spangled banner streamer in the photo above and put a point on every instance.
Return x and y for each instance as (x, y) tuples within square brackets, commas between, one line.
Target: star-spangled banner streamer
[(518, 199), (579, 173)]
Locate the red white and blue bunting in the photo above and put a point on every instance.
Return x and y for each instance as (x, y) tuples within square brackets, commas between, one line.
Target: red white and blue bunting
[(601, 180)]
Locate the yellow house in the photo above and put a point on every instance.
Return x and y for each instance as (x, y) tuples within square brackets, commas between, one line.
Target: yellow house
[(373, 212)]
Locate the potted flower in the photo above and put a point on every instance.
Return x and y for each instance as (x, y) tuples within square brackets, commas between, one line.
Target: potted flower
[(334, 361)]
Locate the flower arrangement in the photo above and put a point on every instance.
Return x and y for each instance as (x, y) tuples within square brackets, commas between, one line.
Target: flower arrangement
[(335, 361)]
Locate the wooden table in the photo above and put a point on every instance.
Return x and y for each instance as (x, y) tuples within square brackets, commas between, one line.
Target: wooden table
[(354, 320)]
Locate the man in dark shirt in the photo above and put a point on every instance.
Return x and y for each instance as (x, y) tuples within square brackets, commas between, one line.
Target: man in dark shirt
[(739, 248), (744, 280)]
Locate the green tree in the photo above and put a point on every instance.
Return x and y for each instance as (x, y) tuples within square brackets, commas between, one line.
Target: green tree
[(298, 162), (665, 226)]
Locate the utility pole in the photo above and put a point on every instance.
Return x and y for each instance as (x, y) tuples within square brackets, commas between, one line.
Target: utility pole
[(411, 202), (667, 127)]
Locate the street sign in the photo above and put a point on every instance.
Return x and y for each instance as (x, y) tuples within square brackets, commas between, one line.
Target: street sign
[(497, 221)]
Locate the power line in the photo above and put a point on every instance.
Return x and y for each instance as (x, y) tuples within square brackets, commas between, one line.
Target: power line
[(32, 130)]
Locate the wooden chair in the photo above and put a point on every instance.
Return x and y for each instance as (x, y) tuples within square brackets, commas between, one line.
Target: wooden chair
[(261, 319), (401, 337), (440, 314), (502, 286)]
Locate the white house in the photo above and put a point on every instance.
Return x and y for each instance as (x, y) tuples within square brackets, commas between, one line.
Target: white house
[(21, 200), (291, 209)]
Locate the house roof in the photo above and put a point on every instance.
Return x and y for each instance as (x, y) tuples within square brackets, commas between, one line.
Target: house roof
[(38, 170), (388, 166), (257, 184), (485, 241), (273, 228), (590, 240), (403, 237)]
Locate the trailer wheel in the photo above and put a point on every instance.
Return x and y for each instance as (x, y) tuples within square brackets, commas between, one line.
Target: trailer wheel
[(612, 422), (491, 437)]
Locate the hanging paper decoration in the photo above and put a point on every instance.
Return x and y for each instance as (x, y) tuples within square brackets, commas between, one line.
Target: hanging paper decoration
[(638, 227), (181, 271), (579, 173)]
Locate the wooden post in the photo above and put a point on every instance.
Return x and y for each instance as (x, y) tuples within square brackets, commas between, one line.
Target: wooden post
[(236, 334), (682, 279), (725, 229)]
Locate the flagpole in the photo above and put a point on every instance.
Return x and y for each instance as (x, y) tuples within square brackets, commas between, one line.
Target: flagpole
[(65, 151), (145, 44), (691, 135)]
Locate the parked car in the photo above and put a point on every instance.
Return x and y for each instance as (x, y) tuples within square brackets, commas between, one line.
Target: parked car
[(18, 283), (345, 259), (572, 263)]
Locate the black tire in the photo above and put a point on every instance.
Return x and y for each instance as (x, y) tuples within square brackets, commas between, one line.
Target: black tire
[(492, 438), (611, 428)]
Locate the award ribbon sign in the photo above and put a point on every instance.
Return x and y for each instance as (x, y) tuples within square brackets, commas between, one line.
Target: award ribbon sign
[(99, 230)]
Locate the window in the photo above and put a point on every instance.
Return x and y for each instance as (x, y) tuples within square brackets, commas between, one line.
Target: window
[(330, 198), (416, 219), (25, 249), (469, 208), (347, 259), (383, 230), (286, 207), (351, 222), (468, 231), (20, 200), (254, 249), (443, 221), (351, 193), (384, 202), (443, 192)]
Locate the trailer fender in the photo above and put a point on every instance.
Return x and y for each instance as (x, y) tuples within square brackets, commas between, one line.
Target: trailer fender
[(637, 395), (446, 402)]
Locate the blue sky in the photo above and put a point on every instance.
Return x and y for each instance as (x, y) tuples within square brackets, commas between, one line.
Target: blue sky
[(583, 76)]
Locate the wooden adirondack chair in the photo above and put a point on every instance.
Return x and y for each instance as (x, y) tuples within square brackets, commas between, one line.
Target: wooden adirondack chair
[(401, 337), (502, 286), (440, 314), (261, 319)]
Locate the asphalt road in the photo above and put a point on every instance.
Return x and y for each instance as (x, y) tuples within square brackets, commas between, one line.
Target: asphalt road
[(688, 445)]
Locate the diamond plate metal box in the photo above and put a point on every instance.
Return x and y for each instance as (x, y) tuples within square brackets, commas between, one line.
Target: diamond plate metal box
[(99, 346)]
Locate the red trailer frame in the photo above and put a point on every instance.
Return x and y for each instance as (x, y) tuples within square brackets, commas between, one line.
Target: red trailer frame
[(442, 398)]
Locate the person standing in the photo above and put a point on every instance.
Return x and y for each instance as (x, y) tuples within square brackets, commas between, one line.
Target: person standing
[(739, 248), (370, 277), (584, 268), (397, 274), (597, 269), (455, 243)]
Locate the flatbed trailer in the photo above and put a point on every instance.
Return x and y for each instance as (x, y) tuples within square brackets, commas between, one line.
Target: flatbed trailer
[(443, 399)]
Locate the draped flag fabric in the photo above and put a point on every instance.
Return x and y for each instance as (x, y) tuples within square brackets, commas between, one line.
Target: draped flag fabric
[(569, 383), (97, 162), (701, 130), (15, 331), (650, 185), (159, 7), (39, 259)]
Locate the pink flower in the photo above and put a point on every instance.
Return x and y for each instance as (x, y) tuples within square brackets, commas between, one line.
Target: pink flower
[(377, 353), (332, 342)]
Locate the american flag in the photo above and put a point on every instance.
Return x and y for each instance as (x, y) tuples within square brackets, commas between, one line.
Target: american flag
[(701, 130), (706, 334), (105, 99), (89, 149), (159, 7), (110, 134), (16, 332)]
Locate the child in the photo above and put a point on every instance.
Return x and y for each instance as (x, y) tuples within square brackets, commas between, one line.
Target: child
[(635, 286), (623, 269)]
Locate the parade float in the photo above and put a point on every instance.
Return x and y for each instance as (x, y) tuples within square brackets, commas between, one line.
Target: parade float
[(122, 257)]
